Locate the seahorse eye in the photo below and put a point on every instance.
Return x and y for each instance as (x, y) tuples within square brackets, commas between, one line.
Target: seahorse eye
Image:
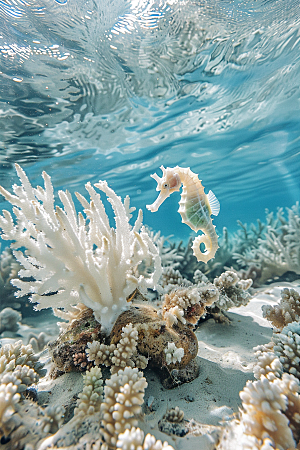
[(165, 185)]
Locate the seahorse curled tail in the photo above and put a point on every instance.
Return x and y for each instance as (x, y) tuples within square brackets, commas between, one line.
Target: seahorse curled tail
[(210, 240)]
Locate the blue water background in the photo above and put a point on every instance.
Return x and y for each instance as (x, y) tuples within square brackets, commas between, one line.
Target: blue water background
[(112, 90)]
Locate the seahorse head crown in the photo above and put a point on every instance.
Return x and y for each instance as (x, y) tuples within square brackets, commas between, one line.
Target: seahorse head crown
[(167, 184)]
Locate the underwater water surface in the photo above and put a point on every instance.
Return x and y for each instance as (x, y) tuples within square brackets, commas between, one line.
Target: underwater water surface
[(112, 90)]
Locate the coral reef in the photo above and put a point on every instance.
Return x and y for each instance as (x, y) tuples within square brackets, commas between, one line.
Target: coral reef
[(275, 250), (261, 251), (77, 258)]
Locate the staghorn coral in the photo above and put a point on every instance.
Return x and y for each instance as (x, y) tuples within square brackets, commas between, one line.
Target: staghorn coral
[(268, 364), (21, 376), (52, 419), (99, 353), (22, 421), (123, 397), (287, 311), (134, 439), (125, 349), (77, 258)]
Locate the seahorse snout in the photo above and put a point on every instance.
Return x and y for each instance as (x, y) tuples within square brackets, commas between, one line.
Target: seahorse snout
[(160, 199)]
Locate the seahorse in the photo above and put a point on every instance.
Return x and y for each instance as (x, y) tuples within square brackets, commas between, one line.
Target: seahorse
[(195, 207)]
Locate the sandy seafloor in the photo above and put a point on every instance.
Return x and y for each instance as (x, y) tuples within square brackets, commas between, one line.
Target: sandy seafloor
[(226, 359)]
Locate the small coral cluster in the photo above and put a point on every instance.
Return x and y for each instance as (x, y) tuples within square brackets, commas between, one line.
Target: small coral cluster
[(287, 311), (188, 304), (19, 369), (120, 355)]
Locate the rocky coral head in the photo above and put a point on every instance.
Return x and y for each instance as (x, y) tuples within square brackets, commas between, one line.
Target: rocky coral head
[(166, 185)]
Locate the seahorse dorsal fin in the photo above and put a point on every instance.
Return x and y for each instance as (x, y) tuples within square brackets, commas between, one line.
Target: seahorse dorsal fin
[(213, 203)]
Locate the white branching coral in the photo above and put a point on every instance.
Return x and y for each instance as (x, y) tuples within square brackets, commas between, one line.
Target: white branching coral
[(134, 439), (124, 395), (173, 354), (75, 258)]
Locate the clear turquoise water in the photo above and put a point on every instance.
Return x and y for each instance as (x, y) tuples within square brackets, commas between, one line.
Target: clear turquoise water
[(111, 90)]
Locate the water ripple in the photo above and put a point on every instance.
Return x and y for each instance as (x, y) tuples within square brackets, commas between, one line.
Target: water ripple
[(143, 77)]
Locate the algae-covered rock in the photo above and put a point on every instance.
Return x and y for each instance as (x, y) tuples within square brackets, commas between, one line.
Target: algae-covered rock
[(68, 351), (155, 335), (73, 341)]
